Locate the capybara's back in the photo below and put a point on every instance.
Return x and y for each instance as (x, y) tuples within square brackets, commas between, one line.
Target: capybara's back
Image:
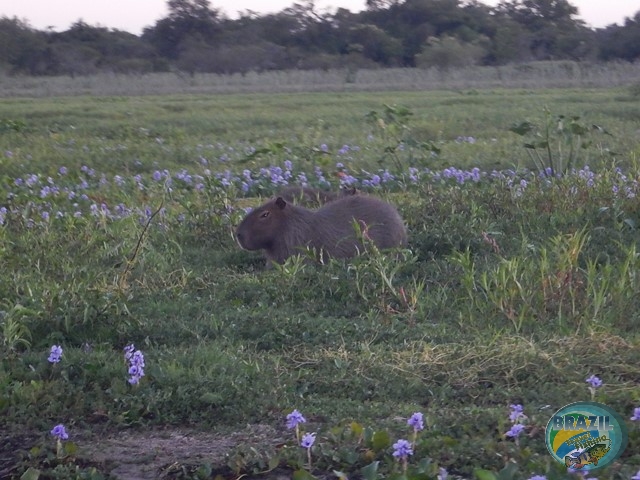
[(335, 230), (341, 224)]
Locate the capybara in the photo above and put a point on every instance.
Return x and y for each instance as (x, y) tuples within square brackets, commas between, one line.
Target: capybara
[(283, 229), (312, 197)]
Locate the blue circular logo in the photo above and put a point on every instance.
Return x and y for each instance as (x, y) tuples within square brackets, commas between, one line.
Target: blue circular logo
[(586, 435)]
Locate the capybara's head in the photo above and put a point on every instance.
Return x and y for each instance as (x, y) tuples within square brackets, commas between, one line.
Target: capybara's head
[(263, 225)]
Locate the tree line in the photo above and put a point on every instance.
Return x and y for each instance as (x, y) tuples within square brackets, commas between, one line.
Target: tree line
[(196, 37)]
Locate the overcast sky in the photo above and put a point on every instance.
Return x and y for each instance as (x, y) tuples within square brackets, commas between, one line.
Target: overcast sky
[(134, 15)]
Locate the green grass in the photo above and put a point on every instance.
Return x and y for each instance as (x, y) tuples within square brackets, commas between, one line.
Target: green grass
[(506, 294)]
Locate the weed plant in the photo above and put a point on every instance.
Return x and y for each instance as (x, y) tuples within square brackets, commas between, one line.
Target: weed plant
[(516, 286)]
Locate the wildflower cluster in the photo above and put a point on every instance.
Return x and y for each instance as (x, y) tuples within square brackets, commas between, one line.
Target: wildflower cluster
[(294, 419), (403, 449), (516, 417), (135, 359), (39, 200)]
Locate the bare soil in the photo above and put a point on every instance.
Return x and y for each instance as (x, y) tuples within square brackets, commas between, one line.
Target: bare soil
[(148, 454)]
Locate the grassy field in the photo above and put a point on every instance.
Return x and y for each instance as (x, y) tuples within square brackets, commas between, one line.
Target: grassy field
[(116, 228)]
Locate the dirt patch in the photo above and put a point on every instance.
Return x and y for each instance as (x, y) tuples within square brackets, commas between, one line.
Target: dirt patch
[(162, 453)]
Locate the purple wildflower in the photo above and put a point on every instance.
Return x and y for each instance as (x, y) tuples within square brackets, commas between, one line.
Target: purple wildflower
[(295, 418), (443, 474), (636, 476), (307, 440), (402, 449), (348, 180), (31, 180), (416, 421), (136, 363), (515, 430), (56, 354), (636, 416), (594, 381), (60, 432), (538, 477), (516, 413), (387, 177)]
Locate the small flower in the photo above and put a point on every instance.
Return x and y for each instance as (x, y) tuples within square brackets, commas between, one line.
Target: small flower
[(137, 359), (136, 364), (594, 381), (516, 413), (416, 421), (443, 474), (538, 477), (307, 440), (515, 430), (56, 354), (295, 418), (59, 432), (636, 418), (128, 352), (636, 476), (402, 449)]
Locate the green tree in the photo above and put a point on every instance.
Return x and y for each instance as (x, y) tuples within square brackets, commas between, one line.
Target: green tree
[(23, 49), (448, 52), (187, 19), (554, 29), (375, 44), (621, 42)]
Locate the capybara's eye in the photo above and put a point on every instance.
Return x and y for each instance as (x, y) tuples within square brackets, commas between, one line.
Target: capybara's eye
[(264, 214)]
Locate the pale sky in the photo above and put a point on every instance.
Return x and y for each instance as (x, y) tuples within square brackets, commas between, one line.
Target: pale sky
[(134, 15)]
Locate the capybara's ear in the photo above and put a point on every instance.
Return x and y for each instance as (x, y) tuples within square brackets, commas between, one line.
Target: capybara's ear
[(280, 202)]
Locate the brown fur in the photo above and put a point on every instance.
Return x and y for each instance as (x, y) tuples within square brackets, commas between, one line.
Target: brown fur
[(312, 197), (283, 229)]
